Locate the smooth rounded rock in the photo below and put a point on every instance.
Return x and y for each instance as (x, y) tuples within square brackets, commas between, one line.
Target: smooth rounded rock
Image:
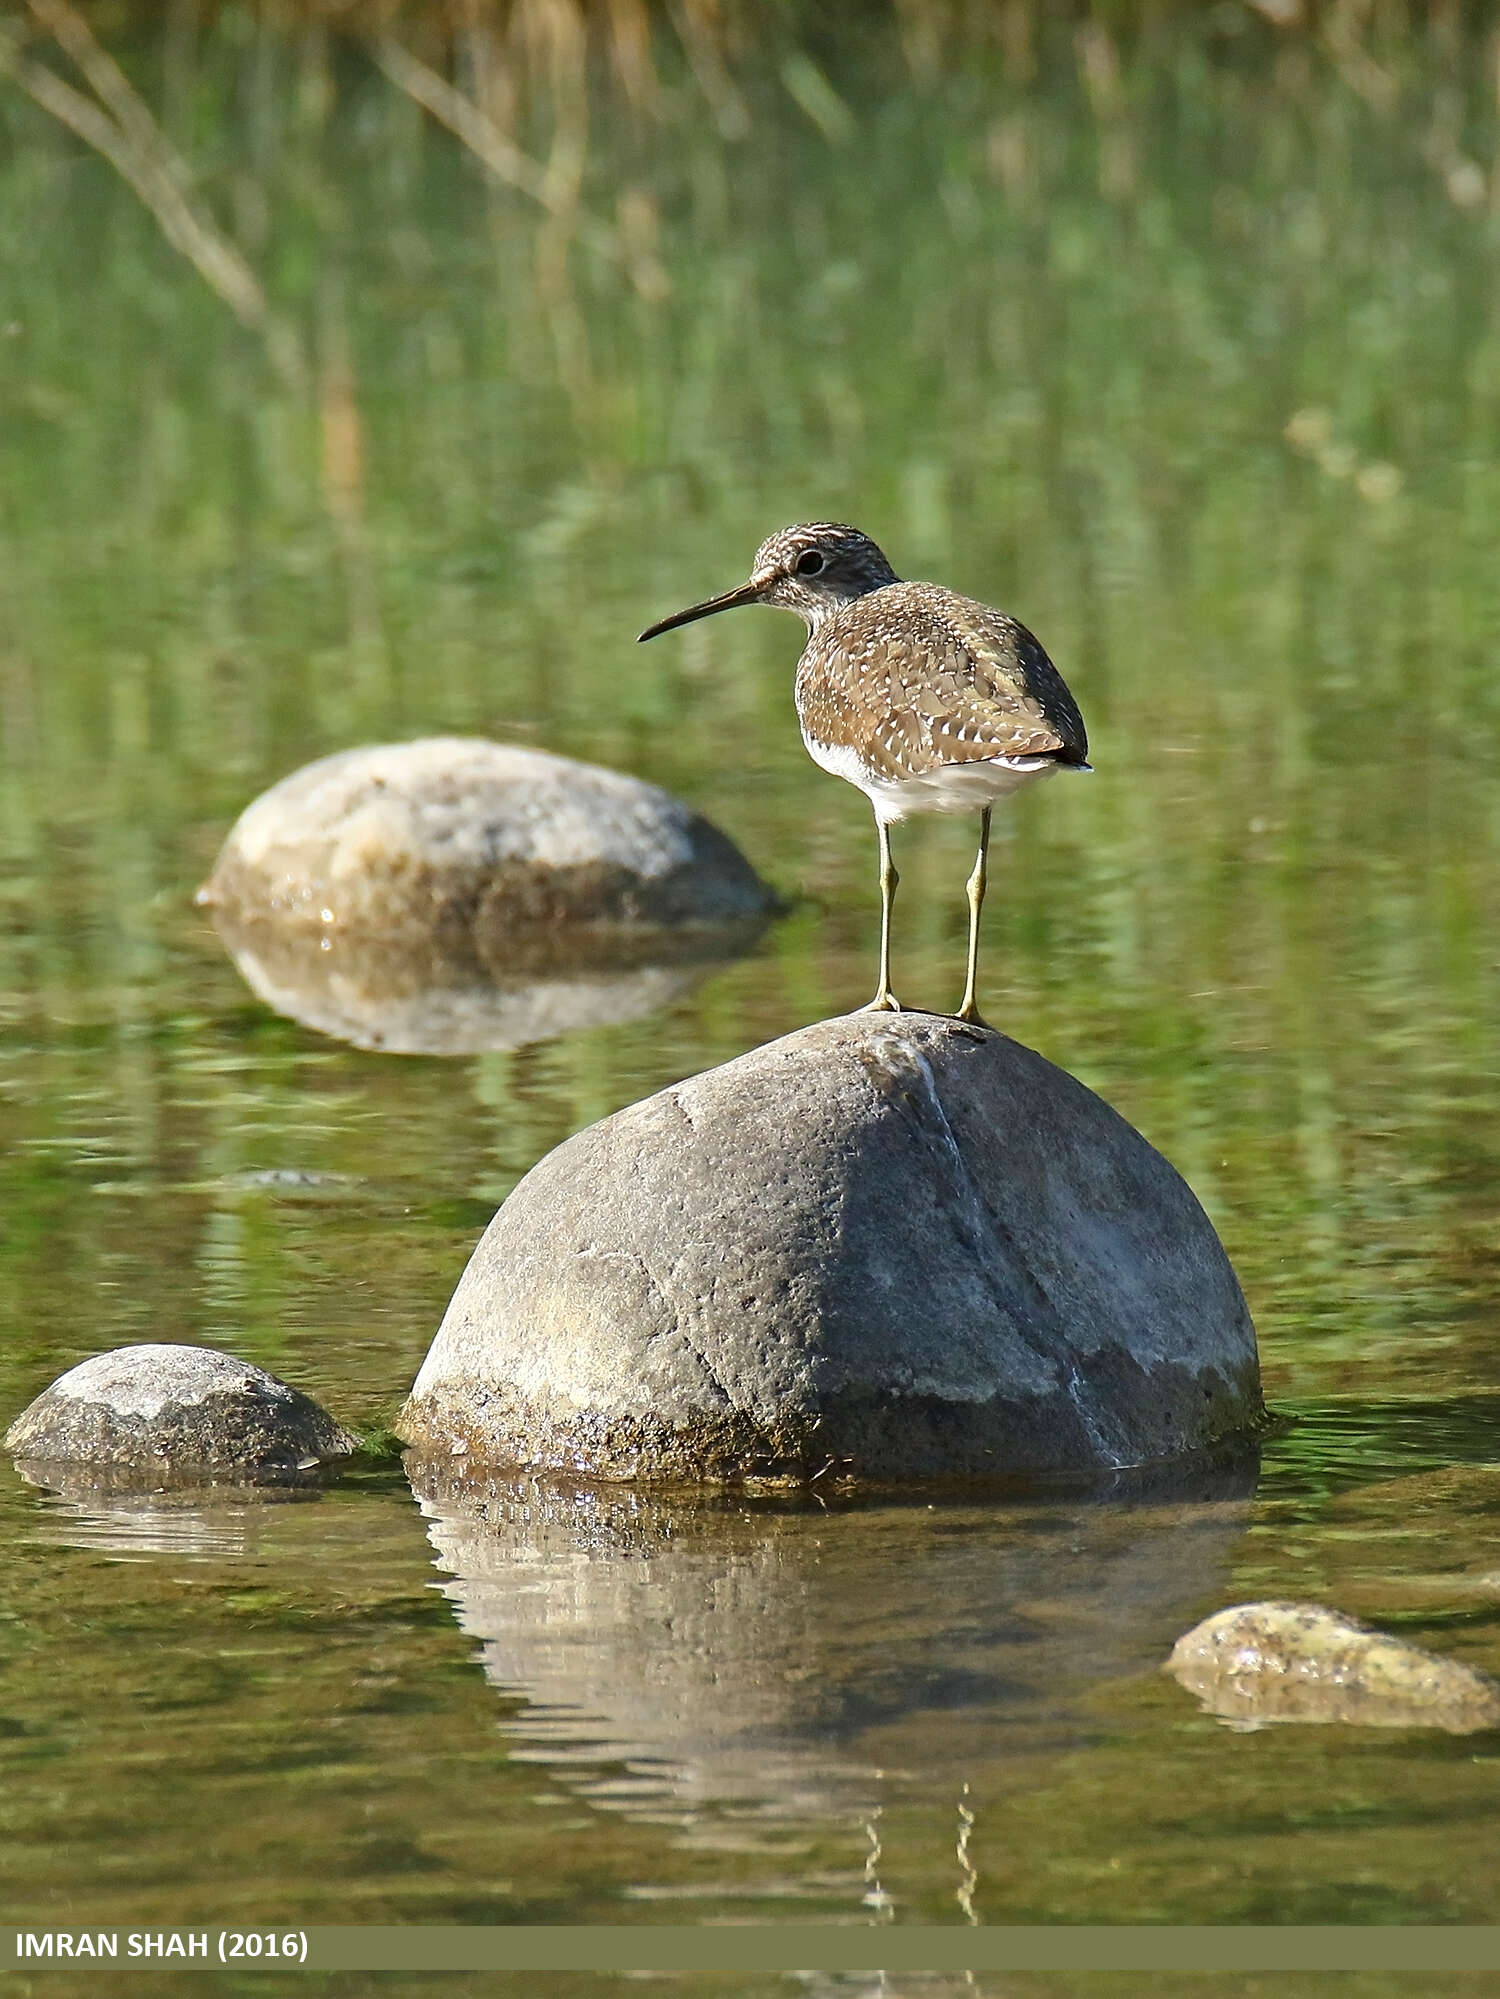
[(454, 837), (884, 1247), (1257, 1663), (171, 1409)]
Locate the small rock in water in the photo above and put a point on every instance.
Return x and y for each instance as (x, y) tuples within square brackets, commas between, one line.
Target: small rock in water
[(458, 838), (1265, 1662), (884, 1247), (164, 1410)]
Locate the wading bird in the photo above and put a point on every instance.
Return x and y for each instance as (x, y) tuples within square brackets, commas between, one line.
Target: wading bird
[(928, 701)]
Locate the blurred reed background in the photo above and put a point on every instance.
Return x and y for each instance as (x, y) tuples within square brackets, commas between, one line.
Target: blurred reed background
[(372, 370)]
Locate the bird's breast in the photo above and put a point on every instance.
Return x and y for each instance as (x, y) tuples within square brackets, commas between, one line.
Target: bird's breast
[(942, 788)]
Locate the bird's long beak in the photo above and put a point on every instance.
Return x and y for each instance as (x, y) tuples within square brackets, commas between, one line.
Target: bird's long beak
[(727, 600)]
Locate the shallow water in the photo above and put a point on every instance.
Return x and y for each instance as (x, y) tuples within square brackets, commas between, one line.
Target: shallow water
[(1264, 929)]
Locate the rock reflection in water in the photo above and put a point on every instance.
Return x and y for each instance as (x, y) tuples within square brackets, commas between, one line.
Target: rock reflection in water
[(448, 1000), (115, 1513), (678, 1650)]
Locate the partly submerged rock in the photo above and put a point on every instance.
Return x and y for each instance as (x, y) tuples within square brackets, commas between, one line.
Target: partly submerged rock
[(444, 1000), (457, 838), (168, 1410), (1262, 1662), (887, 1246)]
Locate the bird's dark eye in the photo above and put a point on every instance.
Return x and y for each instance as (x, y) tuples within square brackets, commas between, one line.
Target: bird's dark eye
[(809, 563)]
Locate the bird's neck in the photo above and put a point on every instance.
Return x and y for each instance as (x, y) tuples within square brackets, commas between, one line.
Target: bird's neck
[(816, 615)]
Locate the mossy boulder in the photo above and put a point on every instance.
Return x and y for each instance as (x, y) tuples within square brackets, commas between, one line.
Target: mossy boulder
[(884, 1247)]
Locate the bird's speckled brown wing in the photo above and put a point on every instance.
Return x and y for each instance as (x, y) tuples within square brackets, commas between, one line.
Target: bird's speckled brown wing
[(914, 677)]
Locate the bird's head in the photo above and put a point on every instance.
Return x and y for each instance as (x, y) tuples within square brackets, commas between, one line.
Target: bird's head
[(811, 569)]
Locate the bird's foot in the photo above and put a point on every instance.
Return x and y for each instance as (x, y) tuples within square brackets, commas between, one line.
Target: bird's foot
[(885, 1001), (971, 1016)]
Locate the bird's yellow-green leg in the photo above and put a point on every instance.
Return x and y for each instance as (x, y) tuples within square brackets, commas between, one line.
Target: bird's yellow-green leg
[(970, 1008), (885, 1001)]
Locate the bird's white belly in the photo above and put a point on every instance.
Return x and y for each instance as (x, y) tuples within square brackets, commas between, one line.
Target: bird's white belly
[(965, 787)]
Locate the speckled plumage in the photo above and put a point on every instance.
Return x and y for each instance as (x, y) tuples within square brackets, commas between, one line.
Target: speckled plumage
[(912, 678), (928, 701)]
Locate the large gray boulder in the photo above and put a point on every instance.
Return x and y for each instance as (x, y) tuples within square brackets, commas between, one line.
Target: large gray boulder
[(167, 1411), (455, 838), (888, 1246)]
